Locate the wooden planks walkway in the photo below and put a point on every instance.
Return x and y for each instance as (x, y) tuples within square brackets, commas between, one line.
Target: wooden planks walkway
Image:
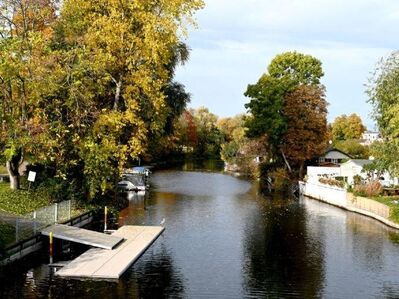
[(98, 263), (83, 236)]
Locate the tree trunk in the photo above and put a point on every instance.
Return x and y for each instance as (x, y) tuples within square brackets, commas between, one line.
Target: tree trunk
[(117, 93), (14, 175), (301, 167), (13, 169), (286, 161)]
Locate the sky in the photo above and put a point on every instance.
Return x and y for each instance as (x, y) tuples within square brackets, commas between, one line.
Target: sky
[(236, 40)]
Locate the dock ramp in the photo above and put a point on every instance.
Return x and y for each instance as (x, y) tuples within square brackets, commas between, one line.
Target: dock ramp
[(82, 236), (103, 264)]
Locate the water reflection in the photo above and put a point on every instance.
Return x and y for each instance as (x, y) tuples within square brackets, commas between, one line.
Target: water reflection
[(284, 254), (360, 257), (156, 276), (223, 239)]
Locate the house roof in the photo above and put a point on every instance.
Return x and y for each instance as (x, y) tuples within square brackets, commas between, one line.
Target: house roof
[(333, 149), (359, 162)]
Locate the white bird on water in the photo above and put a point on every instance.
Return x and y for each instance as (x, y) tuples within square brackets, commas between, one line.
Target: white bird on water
[(162, 222)]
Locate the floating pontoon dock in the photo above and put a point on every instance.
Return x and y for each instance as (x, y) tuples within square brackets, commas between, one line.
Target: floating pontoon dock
[(97, 263), (83, 236)]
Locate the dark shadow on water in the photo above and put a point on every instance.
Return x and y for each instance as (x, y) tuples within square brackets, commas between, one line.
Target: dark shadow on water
[(283, 258)]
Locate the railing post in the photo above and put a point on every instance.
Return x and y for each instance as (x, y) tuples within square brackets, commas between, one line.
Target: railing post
[(51, 247), (105, 218), (16, 230), (34, 222), (56, 213), (69, 209)]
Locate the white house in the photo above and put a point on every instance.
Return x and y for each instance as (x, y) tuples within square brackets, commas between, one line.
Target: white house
[(369, 137), (352, 168), (349, 170), (333, 157)]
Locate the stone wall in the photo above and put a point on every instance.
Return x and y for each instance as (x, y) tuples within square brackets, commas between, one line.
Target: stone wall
[(341, 198)]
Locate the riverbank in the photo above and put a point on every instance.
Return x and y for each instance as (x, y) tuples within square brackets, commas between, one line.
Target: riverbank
[(21, 202), (383, 209)]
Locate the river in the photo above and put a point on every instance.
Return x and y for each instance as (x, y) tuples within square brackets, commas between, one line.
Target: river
[(223, 239)]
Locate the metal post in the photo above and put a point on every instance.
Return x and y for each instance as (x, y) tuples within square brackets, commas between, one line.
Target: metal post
[(16, 230), (56, 213), (69, 209), (105, 218), (51, 247), (34, 222)]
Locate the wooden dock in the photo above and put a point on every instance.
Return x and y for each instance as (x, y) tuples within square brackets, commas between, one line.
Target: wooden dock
[(98, 263), (83, 236)]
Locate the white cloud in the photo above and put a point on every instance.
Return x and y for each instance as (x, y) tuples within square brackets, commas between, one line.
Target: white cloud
[(237, 39)]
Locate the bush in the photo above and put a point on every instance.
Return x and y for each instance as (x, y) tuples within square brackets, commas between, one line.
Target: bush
[(370, 189), (332, 182), (340, 178), (357, 180), (280, 178), (229, 152)]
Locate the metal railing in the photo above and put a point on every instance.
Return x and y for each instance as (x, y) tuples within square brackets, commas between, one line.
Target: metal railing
[(32, 223)]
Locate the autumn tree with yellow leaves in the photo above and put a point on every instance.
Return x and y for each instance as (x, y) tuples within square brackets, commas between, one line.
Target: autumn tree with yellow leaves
[(27, 77), (106, 66)]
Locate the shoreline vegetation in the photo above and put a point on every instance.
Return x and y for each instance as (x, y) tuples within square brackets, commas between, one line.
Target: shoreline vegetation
[(22, 201), (393, 203)]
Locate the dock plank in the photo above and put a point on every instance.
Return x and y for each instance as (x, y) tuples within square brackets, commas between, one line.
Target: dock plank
[(98, 263), (83, 236)]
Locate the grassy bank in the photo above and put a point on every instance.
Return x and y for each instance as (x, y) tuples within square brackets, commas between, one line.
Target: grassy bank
[(393, 203), (21, 202)]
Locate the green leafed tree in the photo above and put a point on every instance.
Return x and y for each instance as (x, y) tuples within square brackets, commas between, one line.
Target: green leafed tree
[(383, 92), (353, 148), (281, 100)]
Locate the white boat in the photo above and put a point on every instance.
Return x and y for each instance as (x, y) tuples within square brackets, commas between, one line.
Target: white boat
[(132, 182), (135, 179)]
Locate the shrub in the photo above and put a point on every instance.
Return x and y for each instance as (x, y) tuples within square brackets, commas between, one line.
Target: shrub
[(332, 182), (357, 180), (369, 189), (280, 178), (340, 178)]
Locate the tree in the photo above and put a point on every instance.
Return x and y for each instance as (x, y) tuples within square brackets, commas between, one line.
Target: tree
[(198, 130), (25, 31), (297, 67), (187, 131), (383, 92), (166, 143), (353, 148), (347, 127), (232, 127), (210, 137), (386, 157), (92, 83), (234, 132), (289, 75), (306, 137)]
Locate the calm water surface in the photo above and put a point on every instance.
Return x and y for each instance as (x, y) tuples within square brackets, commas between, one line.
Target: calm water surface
[(224, 240)]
